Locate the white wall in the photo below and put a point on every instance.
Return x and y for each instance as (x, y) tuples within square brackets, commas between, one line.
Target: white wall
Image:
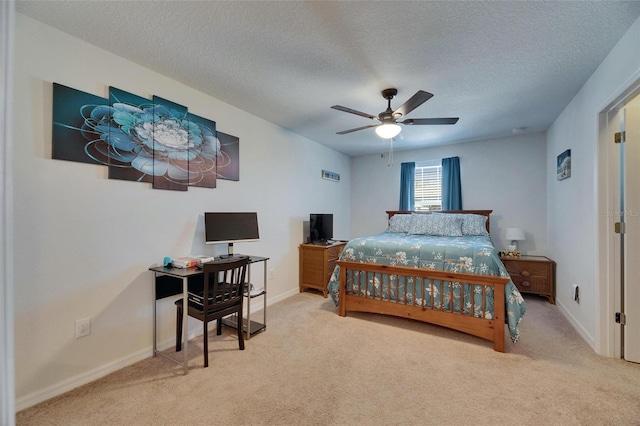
[(84, 243), (574, 208), (506, 175)]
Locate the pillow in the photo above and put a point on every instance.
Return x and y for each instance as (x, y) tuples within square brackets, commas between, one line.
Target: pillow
[(472, 224), (440, 225), (399, 223), (444, 226), (418, 223)]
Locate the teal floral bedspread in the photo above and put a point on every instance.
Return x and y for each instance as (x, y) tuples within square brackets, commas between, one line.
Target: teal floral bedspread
[(467, 254)]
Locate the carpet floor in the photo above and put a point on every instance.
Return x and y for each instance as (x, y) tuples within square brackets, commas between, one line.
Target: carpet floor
[(312, 367)]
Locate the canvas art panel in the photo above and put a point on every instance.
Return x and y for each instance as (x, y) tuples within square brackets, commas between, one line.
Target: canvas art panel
[(75, 117), (228, 160), (156, 141)]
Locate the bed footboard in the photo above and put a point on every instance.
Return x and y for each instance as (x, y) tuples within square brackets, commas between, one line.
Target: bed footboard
[(463, 302)]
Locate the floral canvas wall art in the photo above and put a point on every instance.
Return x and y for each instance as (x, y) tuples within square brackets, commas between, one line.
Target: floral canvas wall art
[(156, 141)]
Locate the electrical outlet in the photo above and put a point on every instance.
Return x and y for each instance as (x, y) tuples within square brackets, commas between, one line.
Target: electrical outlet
[(271, 273), (576, 293), (83, 327)]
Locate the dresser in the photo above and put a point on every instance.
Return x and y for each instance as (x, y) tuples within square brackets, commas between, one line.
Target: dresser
[(317, 263), (532, 274)]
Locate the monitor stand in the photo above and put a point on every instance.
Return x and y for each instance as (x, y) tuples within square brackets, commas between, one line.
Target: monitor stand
[(229, 254)]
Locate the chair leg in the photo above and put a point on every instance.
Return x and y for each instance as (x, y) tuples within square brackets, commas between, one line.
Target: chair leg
[(179, 328), (219, 326), (240, 335), (205, 337)]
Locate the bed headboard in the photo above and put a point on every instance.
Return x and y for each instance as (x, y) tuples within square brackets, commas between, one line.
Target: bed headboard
[(486, 213)]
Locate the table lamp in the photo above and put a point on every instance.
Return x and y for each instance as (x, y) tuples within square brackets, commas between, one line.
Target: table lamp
[(514, 235)]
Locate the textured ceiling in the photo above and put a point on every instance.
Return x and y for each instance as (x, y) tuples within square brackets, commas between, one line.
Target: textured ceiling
[(497, 65)]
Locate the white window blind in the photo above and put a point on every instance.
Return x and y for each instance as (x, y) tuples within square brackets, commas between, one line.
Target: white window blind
[(428, 186)]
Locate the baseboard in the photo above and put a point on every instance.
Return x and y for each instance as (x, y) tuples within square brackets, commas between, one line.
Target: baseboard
[(79, 380), (97, 373), (591, 341), (281, 297)]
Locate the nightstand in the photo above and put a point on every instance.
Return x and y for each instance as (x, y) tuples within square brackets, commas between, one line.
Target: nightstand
[(532, 274), (317, 263)]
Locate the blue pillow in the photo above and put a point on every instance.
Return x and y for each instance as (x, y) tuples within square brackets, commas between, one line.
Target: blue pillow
[(472, 224), (399, 223), (440, 225)]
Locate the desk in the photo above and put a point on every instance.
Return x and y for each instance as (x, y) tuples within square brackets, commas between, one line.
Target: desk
[(167, 283)]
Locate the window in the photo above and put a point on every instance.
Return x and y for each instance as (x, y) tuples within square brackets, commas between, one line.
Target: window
[(428, 185)]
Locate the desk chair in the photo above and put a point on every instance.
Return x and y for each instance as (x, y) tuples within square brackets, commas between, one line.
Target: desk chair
[(222, 294)]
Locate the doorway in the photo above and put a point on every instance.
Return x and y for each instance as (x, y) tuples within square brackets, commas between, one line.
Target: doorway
[(620, 226)]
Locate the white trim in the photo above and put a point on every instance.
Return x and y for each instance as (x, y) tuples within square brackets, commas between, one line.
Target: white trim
[(79, 380), (591, 341), (71, 383), (280, 298), (7, 379), (608, 334)]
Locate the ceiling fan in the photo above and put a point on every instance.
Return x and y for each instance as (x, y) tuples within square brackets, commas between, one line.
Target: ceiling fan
[(388, 120)]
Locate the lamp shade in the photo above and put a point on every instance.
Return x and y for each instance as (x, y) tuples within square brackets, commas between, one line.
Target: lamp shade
[(514, 234), (388, 131)]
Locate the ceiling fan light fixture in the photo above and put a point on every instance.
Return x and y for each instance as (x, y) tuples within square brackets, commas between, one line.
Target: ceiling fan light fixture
[(388, 130), (388, 127)]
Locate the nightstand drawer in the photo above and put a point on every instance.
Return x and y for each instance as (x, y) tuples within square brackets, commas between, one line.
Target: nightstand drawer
[(532, 284)]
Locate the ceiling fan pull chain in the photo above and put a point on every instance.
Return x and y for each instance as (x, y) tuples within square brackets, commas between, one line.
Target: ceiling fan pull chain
[(390, 161)]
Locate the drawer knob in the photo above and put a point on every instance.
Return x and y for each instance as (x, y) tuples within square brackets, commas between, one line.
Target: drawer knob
[(525, 273), (525, 284)]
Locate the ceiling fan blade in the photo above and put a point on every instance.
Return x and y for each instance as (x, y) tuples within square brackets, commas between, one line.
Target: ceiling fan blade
[(414, 102), (430, 121), (356, 129), (353, 111)]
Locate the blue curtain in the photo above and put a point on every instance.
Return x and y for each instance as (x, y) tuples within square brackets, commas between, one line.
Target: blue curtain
[(407, 190), (451, 191)]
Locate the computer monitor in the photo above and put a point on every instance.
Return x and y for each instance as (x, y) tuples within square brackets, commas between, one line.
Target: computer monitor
[(230, 227)]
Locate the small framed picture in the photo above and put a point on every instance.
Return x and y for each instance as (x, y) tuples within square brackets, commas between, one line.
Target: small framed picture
[(326, 174), (564, 165)]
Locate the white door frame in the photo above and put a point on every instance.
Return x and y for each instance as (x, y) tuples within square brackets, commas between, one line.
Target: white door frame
[(7, 380), (608, 333)]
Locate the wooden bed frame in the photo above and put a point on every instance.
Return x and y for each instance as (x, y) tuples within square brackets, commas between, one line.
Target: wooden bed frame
[(489, 329)]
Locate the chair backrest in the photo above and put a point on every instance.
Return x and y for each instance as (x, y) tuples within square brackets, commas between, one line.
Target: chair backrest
[(224, 283)]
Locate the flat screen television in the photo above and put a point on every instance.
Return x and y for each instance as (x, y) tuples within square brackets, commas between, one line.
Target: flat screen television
[(230, 227), (320, 228)]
